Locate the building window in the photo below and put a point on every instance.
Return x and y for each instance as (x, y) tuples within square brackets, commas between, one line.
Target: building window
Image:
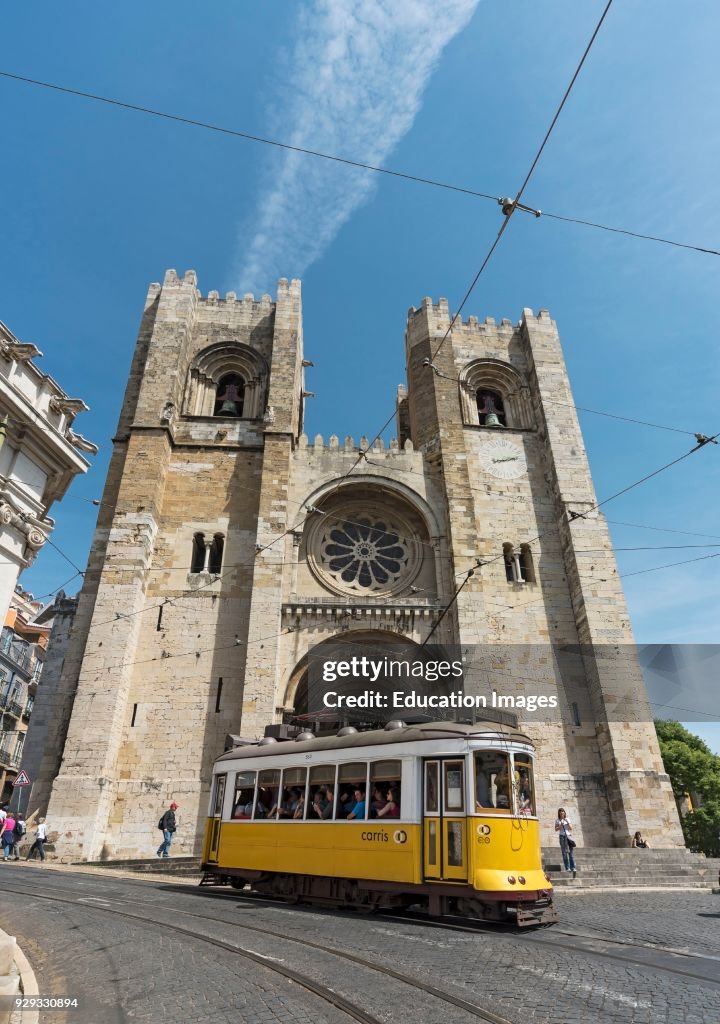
[(230, 396), (197, 563), (227, 379), (518, 564), (491, 408), (216, 554), (526, 564), (494, 393)]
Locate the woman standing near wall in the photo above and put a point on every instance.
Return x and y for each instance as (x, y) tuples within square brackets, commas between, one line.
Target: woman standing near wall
[(563, 826)]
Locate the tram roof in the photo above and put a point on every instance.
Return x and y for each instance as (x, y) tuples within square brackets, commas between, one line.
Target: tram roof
[(380, 737)]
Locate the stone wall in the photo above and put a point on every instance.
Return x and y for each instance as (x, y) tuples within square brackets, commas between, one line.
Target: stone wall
[(164, 662)]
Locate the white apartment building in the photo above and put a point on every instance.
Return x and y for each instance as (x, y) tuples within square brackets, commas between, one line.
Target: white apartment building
[(40, 454)]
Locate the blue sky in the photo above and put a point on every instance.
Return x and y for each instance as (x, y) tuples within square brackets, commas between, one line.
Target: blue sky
[(97, 202)]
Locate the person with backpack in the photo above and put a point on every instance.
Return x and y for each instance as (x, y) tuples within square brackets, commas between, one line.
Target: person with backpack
[(8, 835), (20, 832), (168, 827)]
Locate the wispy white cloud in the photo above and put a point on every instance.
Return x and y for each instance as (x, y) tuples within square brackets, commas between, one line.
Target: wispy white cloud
[(356, 79)]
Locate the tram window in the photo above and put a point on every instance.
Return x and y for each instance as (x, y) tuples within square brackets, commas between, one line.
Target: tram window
[(351, 792), (385, 789), (321, 792), (244, 795), (455, 844), (266, 804), (218, 796), (292, 806), (454, 795), (524, 787), (492, 782), (431, 788)]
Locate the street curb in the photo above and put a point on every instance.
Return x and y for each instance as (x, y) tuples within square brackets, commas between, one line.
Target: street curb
[(28, 984), (604, 889)]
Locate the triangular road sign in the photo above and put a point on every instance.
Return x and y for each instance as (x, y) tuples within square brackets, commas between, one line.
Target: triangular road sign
[(22, 779)]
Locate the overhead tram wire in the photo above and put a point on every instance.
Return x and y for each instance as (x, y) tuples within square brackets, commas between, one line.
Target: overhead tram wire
[(334, 158), (248, 136), (509, 211), (467, 572), (631, 234), (657, 568), (493, 247), (663, 529)]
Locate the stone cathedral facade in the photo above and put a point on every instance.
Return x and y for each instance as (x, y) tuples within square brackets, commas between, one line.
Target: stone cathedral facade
[(213, 570)]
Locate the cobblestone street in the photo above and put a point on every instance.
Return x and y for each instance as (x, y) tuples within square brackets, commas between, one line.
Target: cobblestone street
[(137, 950)]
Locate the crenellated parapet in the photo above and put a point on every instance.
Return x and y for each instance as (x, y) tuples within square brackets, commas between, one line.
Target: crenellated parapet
[(377, 450)]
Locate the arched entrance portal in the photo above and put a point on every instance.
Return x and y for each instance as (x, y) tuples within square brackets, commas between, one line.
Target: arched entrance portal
[(383, 674)]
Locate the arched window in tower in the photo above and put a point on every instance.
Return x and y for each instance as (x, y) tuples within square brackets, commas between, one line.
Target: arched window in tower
[(230, 396), (509, 563), (216, 554), (197, 563), (518, 564), (491, 408), (526, 564)]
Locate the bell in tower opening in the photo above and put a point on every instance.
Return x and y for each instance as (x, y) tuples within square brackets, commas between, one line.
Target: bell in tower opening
[(490, 409), (230, 396)]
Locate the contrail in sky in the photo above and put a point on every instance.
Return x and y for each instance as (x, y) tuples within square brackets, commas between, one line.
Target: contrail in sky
[(357, 74)]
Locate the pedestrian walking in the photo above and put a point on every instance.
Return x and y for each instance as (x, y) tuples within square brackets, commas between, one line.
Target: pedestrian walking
[(563, 826), (168, 827), (8, 835), (39, 845), (20, 833)]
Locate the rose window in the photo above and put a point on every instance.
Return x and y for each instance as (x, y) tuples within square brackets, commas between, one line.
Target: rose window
[(365, 553)]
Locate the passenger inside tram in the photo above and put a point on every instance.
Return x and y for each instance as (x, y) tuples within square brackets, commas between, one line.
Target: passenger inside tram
[(298, 804), (244, 795), (391, 808), (266, 803), (346, 802), (358, 810), (524, 786), (322, 803), (379, 800)]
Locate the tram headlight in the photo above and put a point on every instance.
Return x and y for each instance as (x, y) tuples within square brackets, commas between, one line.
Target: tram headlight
[(511, 879), (521, 880)]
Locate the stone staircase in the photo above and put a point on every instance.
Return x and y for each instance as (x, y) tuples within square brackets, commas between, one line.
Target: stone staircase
[(612, 867), (185, 866)]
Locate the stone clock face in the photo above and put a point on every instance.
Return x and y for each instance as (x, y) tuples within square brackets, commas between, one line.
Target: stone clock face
[(503, 458)]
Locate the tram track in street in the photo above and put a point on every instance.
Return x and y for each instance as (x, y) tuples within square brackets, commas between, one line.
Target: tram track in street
[(329, 995), (638, 955), (546, 937)]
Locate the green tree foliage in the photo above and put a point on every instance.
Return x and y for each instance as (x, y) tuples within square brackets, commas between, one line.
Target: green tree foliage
[(693, 770)]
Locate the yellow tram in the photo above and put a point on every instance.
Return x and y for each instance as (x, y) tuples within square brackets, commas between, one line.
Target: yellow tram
[(439, 814)]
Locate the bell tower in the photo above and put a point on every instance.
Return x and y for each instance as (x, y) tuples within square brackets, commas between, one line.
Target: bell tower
[(163, 636), (491, 407)]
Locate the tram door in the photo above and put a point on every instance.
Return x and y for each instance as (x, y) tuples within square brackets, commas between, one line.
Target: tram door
[(444, 815), (216, 821)]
